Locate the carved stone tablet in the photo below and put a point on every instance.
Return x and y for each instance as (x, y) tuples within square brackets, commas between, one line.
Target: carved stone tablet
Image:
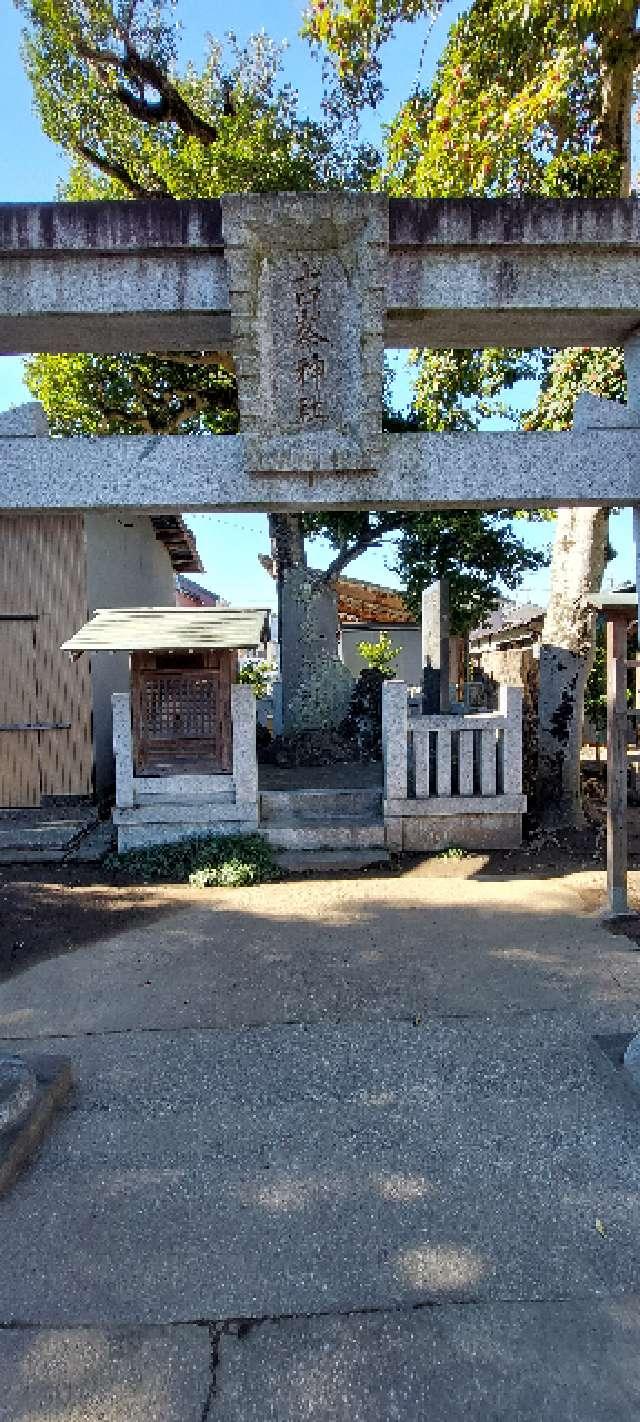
[(307, 289)]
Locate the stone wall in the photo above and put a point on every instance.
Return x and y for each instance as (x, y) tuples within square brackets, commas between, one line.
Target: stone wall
[(127, 566)]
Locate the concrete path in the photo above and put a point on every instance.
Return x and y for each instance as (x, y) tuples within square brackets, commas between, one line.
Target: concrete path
[(338, 1151)]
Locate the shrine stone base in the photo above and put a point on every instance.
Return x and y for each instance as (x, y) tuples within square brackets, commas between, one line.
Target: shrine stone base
[(415, 834)]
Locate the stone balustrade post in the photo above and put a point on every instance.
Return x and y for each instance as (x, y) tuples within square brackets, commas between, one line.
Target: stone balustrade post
[(245, 755), (394, 739), (123, 748), (510, 706)]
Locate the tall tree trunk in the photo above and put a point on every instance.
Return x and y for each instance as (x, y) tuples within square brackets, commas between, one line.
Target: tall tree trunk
[(566, 658), (580, 547), (620, 56)]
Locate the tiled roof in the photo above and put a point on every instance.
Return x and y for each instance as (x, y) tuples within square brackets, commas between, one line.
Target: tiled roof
[(508, 615), (179, 542), (197, 595)]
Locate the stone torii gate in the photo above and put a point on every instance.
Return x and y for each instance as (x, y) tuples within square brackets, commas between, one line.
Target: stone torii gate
[(303, 292)]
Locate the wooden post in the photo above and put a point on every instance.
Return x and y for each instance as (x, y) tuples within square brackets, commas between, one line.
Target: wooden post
[(617, 764)]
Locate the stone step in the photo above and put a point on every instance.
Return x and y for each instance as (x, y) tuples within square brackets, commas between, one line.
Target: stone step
[(154, 808), (33, 856), (195, 812), (309, 834), (56, 837), (331, 861), (187, 787), (278, 806)]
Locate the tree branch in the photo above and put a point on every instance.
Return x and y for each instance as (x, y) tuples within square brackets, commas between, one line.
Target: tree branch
[(371, 538), (201, 358), (347, 555), (112, 169), (171, 107)]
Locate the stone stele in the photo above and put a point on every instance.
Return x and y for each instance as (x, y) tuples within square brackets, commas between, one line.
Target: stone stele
[(307, 287)]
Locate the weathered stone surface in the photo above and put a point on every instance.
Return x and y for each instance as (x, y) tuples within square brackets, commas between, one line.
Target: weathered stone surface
[(315, 685), (306, 286), (27, 419), (466, 272), (632, 1059), (122, 748), (435, 647), (18, 1089), (514, 222), (245, 757), (144, 836), (439, 470), (592, 413), (479, 829), (394, 739), (510, 706)]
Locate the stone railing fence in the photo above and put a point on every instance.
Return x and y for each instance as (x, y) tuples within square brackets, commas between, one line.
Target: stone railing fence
[(452, 778)]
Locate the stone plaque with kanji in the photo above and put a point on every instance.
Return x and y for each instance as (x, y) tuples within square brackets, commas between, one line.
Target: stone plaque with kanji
[(307, 291)]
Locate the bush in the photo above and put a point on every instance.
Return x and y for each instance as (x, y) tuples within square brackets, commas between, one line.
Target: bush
[(255, 674), (228, 860), (381, 655)]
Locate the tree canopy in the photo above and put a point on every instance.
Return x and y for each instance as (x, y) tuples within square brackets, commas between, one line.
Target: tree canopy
[(110, 91)]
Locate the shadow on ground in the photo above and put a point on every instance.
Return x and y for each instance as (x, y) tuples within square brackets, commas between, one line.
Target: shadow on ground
[(379, 947), (42, 917)]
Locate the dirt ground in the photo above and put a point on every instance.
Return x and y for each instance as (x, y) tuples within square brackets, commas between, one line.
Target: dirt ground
[(49, 911)]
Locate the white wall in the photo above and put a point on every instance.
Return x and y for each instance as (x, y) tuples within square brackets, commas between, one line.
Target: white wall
[(127, 566), (409, 663)]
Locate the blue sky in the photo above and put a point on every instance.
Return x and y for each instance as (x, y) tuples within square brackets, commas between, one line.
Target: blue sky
[(31, 167)]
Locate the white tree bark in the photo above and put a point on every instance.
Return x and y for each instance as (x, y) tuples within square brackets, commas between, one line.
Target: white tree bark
[(566, 657), (580, 548)]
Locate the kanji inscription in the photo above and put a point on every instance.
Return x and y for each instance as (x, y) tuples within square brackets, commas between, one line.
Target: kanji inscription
[(307, 278), (312, 367)]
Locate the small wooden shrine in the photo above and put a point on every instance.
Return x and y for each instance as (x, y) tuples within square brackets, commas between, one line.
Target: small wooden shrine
[(183, 663)]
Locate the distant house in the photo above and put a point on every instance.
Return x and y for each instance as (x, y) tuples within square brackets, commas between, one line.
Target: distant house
[(511, 626), (367, 609), (192, 594)]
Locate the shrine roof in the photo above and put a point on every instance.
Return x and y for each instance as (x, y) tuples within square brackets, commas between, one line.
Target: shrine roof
[(148, 629)]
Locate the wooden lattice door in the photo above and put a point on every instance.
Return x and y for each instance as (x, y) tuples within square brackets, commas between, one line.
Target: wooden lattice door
[(182, 719)]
